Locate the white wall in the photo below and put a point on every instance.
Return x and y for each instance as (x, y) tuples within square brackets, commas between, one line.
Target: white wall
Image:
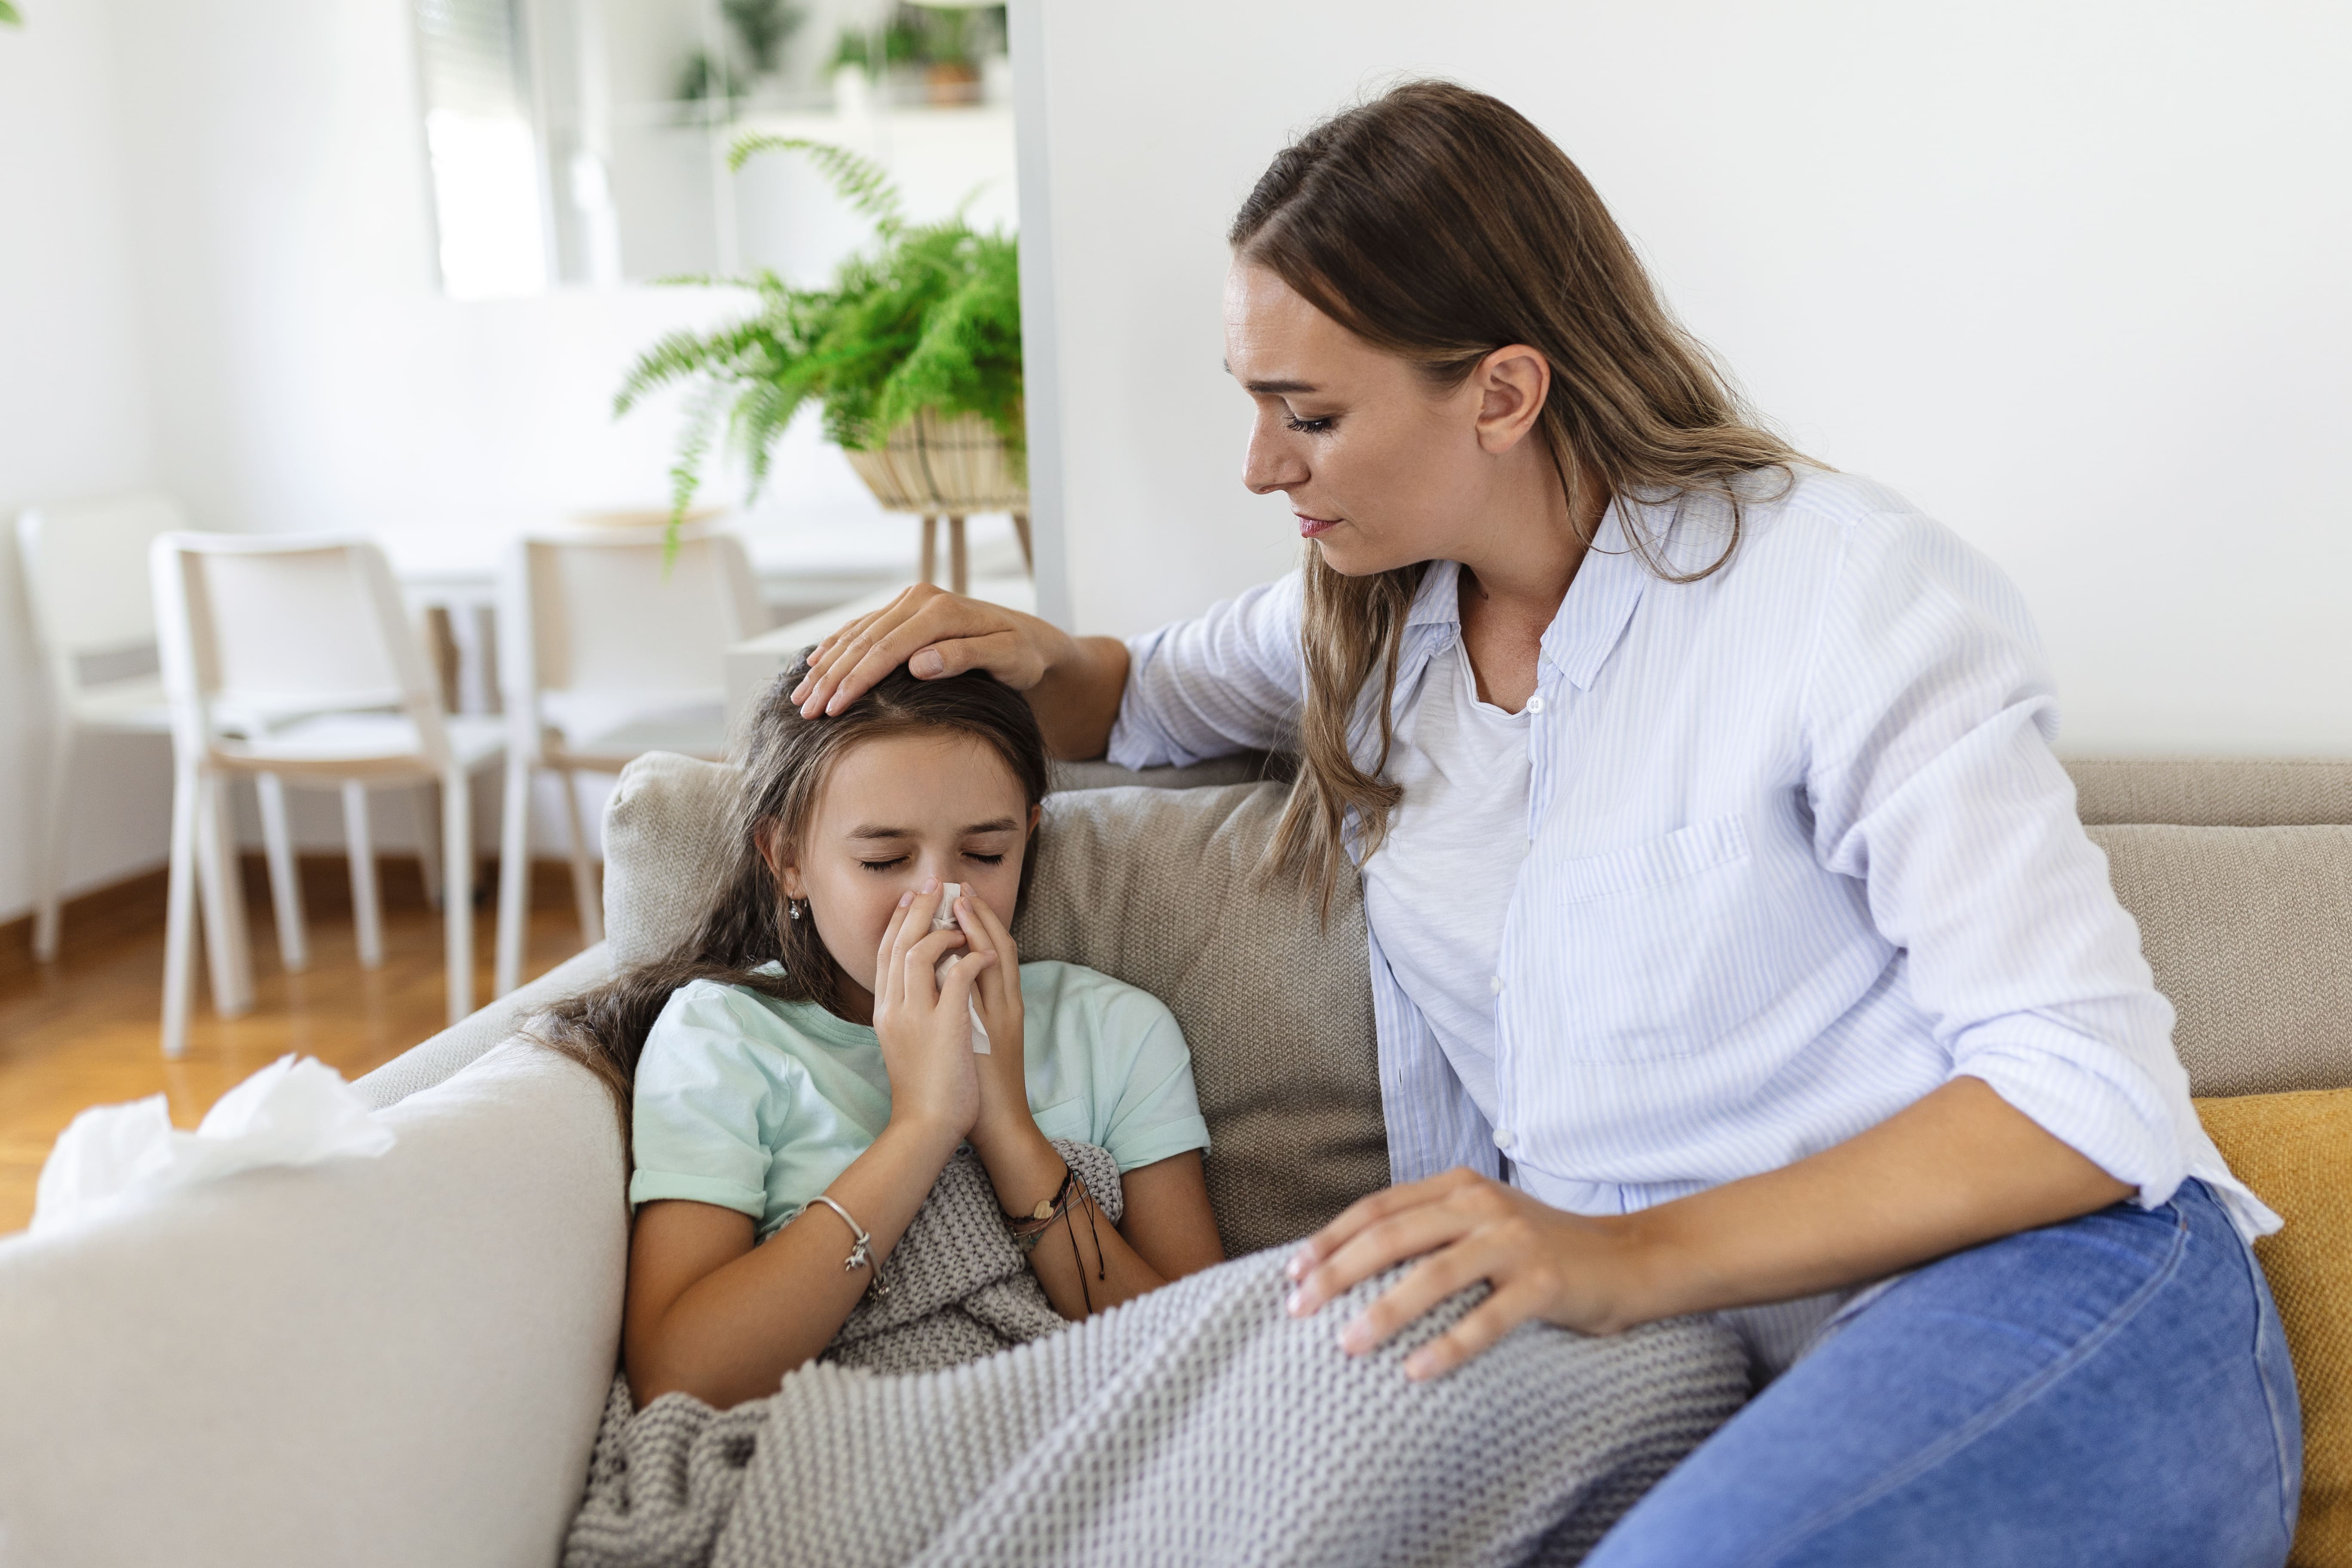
[(2071, 276), (74, 411)]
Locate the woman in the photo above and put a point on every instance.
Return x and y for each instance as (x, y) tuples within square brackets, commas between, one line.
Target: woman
[(1734, 942)]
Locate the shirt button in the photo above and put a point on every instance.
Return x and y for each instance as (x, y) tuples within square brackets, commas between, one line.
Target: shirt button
[(1495, 985), (1502, 1137), (1535, 704)]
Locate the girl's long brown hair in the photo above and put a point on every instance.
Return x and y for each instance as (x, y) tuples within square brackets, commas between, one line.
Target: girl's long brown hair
[(785, 761), (1440, 224)]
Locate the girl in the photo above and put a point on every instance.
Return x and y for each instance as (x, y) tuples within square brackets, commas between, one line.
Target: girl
[(799, 1080)]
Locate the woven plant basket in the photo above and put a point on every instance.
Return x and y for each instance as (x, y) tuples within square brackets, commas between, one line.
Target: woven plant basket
[(941, 466)]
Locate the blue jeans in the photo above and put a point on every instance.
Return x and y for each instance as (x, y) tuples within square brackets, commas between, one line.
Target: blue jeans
[(2112, 1391)]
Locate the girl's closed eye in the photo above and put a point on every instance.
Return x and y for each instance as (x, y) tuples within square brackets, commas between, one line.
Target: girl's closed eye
[(1310, 426), (892, 864)]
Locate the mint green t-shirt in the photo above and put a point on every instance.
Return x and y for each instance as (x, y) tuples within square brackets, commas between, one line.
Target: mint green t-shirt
[(757, 1105)]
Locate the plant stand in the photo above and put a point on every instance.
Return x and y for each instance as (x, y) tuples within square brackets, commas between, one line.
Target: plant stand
[(959, 570), (944, 469)]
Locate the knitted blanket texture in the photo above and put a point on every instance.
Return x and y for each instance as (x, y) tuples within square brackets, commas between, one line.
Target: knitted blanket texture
[(958, 1419)]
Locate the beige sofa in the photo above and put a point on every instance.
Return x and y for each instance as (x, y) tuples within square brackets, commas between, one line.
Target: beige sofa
[(400, 1361)]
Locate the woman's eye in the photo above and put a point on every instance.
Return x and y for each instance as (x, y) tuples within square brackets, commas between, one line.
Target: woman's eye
[(884, 865), (1308, 426), (995, 859)]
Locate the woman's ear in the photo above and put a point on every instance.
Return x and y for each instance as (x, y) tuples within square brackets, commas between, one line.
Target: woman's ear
[(1512, 383)]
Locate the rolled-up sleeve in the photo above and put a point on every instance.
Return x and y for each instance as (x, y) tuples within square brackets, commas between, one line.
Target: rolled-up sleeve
[(695, 1126), (1928, 716), (1226, 681)]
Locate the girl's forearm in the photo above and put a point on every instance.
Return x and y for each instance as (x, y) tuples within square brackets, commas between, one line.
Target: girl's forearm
[(733, 1334), (1082, 1260)]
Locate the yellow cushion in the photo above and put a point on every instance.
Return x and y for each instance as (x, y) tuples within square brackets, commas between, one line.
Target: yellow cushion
[(2295, 1151)]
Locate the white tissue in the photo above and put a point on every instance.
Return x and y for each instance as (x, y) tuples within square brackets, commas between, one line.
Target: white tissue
[(295, 1112), (945, 920)]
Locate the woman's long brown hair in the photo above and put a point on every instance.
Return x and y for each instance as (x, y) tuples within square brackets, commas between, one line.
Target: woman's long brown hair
[(785, 761), (1439, 225)]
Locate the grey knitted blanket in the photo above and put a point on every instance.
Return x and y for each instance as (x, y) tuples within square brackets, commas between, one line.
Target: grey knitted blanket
[(958, 1420)]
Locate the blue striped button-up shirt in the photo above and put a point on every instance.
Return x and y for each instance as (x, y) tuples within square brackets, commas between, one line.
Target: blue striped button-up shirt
[(1801, 853)]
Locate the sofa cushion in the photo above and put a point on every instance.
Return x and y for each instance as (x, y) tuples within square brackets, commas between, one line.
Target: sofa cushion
[(2249, 931), (665, 827), (394, 1361), (1156, 887), (2295, 1151)]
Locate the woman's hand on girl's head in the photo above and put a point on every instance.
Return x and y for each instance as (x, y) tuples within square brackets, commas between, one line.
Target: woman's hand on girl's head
[(924, 1023), (1542, 1262), (936, 634)]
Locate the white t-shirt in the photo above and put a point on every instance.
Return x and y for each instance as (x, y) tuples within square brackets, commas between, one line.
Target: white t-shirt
[(1452, 854)]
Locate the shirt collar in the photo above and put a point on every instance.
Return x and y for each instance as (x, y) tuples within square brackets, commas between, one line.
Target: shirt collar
[(1591, 620)]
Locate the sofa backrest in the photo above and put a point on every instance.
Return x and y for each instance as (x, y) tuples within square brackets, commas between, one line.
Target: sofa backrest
[(2245, 906)]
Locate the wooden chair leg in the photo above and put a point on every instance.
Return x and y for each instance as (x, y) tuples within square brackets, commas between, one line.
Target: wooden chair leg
[(457, 890), (425, 805), (514, 876), (285, 877), (584, 892), (930, 550), (49, 852), (367, 913), (959, 568), (180, 911), (1028, 554)]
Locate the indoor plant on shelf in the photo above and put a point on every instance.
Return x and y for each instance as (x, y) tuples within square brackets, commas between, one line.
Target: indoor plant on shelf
[(913, 353)]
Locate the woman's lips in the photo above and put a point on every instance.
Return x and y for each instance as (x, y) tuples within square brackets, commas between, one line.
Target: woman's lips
[(1308, 527)]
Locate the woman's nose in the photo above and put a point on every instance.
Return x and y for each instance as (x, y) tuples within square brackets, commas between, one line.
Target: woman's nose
[(1272, 463)]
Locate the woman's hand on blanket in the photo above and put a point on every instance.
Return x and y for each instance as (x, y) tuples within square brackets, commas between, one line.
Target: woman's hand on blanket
[(1579, 1273), (923, 1022)]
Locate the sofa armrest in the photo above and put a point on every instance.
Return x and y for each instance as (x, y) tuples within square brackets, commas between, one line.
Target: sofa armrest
[(390, 1360), (457, 1047)]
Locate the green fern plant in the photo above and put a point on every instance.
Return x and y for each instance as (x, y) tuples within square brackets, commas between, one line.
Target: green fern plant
[(930, 316)]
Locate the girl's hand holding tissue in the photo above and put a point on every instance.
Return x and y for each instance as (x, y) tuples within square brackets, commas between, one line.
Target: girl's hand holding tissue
[(924, 1019), (1004, 1087)]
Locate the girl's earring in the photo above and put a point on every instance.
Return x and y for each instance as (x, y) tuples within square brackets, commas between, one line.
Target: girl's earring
[(794, 905)]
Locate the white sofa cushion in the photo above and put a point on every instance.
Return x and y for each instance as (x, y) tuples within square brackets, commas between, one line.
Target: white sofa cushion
[(395, 1361)]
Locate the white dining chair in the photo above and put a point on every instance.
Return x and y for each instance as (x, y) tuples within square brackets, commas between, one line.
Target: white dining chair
[(84, 566), (610, 645), (304, 642)]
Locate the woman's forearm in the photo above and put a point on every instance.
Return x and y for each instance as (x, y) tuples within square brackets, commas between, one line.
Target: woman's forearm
[(735, 1332), (1076, 700), (1958, 1167)]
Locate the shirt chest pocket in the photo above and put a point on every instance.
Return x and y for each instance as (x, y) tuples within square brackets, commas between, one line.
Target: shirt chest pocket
[(1665, 944)]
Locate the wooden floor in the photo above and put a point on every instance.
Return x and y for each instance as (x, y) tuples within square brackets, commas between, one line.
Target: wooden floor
[(87, 1030)]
